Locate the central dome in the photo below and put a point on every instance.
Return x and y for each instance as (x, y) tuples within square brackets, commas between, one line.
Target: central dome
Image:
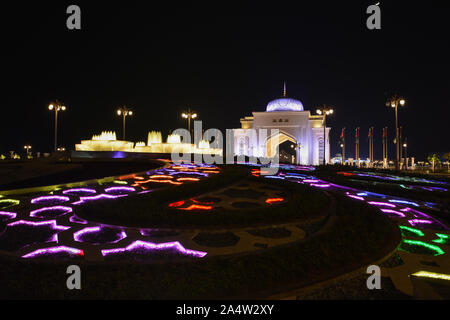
[(284, 104)]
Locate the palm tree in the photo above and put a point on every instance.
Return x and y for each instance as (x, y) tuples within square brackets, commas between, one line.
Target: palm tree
[(434, 159), (446, 156)]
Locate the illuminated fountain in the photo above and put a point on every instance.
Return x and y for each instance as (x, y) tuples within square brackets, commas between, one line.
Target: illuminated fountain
[(107, 141), (154, 137)]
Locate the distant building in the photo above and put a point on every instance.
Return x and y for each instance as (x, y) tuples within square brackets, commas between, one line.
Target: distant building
[(300, 138)]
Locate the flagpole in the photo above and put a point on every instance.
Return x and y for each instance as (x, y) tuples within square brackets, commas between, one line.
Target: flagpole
[(368, 139), (400, 144), (343, 145), (371, 144), (357, 146), (386, 145), (383, 137), (343, 150)]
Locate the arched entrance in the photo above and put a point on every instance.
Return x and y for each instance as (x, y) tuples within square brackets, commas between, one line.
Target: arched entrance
[(287, 147)]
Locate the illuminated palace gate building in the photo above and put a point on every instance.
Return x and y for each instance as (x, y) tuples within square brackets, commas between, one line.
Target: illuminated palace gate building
[(300, 137)]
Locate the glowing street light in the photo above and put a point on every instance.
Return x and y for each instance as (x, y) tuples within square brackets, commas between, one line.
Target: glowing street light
[(27, 147), (325, 111), (394, 102), (189, 115), (124, 112), (56, 107), (405, 145)]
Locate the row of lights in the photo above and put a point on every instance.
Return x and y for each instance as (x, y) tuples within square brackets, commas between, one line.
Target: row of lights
[(393, 102), (58, 106), (324, 110), (123, 112)]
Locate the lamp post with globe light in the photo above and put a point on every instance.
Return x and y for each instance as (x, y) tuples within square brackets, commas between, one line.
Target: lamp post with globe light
[(56, 107), (124, 112), (325, 111), (189, 115), (405, 145), (27, 147), (394, 102)]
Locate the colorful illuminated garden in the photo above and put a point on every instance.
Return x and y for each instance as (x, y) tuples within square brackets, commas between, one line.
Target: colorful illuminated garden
[(229, 231)]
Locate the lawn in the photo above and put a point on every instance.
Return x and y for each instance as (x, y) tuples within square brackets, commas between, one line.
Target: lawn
[(393, 188), (152, 210), (360, 235)]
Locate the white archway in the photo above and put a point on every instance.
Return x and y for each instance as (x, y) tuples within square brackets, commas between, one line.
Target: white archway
[(275, 140)]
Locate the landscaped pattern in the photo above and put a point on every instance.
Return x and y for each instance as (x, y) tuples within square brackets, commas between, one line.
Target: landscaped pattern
[(425, 239), (242, 195), (46, 225), (390, 177)]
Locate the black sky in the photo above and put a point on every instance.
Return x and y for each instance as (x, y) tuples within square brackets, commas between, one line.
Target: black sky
[(224, 60)]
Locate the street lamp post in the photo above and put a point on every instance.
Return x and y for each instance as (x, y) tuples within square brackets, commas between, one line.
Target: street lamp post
[(27, 147), (405, 145), (124, 112), (324, 110), (189, 115), (385, 149), (394, 102), (57, 107)]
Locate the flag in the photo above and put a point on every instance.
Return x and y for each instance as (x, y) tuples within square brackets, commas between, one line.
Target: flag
[(342, 134)]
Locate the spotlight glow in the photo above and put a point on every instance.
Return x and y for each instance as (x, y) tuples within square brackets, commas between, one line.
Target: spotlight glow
[(417, 232), (404, 202), (196, 207), (7, 215), (7, 203), (438, 251), (433, 275), (50, 199), (382, 204), (390, 211), (148, 246), (415, 222), (119, 189), (79, 190), (443, 238), (38, 213), (78, 236), (274, 200), (176, 204), (54, 250), (98, 197)]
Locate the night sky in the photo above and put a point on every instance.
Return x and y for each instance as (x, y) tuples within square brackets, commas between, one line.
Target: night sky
[(224, 60)]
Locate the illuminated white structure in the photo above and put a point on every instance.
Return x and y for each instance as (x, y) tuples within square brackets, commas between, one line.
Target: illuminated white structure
[(107, 141), (300, 137)]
